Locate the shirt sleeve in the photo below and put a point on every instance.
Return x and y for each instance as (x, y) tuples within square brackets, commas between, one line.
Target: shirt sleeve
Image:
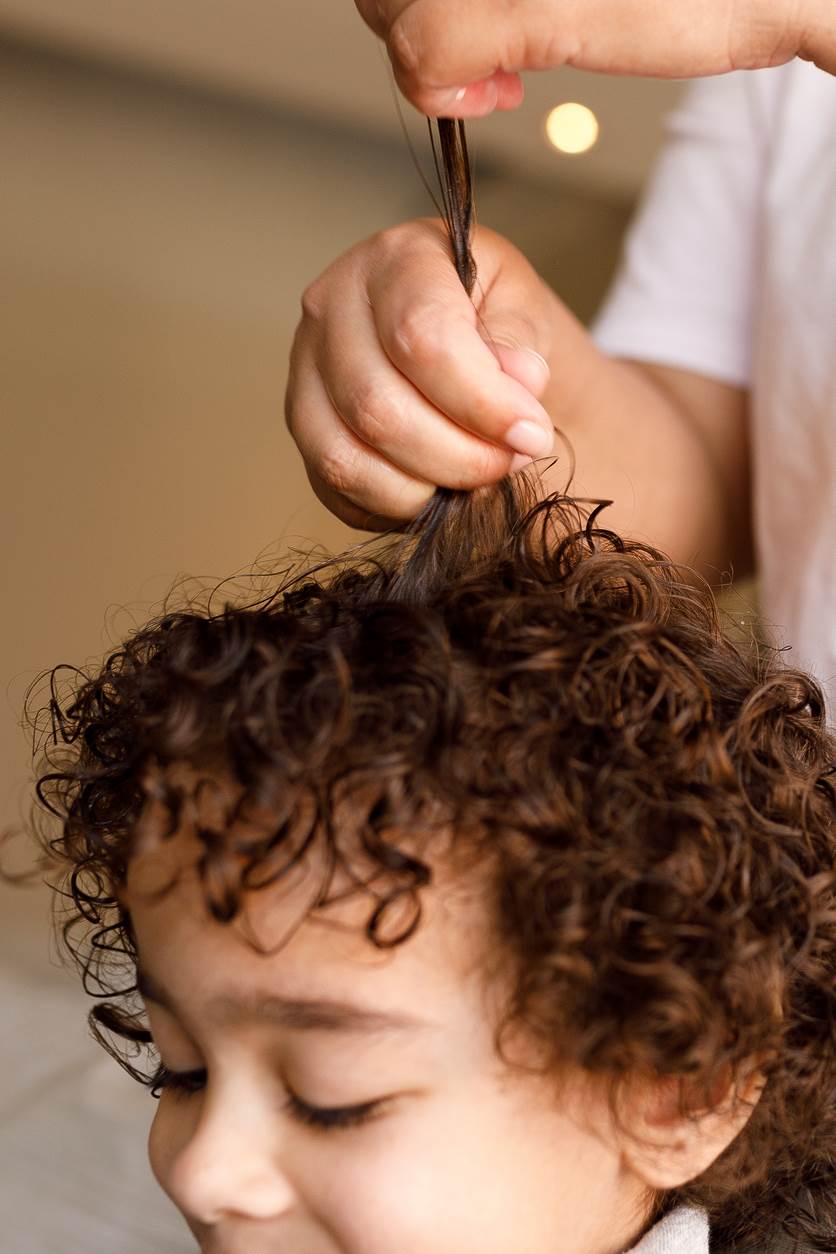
[(686, 291)]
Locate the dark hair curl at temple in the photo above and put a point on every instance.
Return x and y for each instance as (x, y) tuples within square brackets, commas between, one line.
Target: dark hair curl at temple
[(651, 806)]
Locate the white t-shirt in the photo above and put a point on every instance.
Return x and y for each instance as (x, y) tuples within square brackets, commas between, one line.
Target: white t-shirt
[(730, 271), (683, 1231)]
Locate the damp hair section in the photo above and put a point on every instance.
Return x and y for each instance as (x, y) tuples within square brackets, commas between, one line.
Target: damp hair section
[(516, 691)]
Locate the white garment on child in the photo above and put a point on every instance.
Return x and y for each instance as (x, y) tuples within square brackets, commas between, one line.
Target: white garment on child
[(730, 271), (683, 1231)]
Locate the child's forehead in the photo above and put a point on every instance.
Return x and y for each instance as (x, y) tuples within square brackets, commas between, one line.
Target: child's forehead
[(278, 937)]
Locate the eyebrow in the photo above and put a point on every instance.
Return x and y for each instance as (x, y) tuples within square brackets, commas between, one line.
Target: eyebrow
[(293, 1013)]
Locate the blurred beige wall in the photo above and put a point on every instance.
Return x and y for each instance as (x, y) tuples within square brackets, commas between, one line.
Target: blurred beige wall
[(153, 246)]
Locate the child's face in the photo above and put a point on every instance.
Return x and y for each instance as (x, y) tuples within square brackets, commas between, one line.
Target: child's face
[(462, 1156)]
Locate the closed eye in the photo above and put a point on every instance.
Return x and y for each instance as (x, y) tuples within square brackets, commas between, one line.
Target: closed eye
[(328, 1119), (322, 1118), (178, 1081)]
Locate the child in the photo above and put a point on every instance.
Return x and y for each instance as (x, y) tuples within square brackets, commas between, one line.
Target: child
[(480, 895)]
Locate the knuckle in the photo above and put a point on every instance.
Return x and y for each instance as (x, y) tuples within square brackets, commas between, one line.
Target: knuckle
[(419, 335), (392, 243), (389, 238), (405, 256), (314, 299), (340, 468), (372, 414)]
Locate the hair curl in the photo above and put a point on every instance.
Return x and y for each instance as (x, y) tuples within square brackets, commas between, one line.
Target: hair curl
[(655, 803)]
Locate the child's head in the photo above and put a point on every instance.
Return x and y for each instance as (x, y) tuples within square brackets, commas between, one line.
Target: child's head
[(482, 899)]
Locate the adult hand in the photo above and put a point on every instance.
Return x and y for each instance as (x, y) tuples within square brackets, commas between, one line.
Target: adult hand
[(462, 58), (399, 383)]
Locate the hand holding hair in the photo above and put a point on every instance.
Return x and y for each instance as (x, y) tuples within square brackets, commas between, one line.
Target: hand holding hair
[(462, 58), (399, 383)]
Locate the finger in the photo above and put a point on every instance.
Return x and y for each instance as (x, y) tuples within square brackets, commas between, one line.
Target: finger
[(374, 15), (388, 414), (430, 330), (524, 364), (349, 513), (444, 45), (436, 46), (500, 90), (364, 481), (510, 91)]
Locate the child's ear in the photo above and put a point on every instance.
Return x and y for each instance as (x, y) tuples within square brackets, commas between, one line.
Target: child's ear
[(665, 1147)]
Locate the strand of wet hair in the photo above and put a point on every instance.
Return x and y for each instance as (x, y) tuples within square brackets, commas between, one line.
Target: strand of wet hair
[(453, 170), (455, 526), (451, 158)]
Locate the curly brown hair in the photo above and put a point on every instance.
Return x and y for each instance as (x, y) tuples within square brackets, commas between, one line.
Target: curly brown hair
[(652, 804)]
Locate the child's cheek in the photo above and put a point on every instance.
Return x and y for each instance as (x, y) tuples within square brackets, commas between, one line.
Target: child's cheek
[(367, 1203), (383, 1190)]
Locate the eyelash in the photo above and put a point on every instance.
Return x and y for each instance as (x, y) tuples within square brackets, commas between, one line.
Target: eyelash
[(322, 1118)]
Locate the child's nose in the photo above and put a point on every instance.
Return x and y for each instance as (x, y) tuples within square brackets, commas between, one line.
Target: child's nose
[(229, 1168)]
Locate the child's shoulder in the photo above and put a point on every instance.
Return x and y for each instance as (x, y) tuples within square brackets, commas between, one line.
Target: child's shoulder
[(685, 1230)]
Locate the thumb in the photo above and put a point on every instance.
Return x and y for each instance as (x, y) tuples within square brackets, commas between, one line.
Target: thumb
[(521, 362), (514, 311)]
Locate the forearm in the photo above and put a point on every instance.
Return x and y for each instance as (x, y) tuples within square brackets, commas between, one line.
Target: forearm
[(448, 63), (817, 40), (669, 449)]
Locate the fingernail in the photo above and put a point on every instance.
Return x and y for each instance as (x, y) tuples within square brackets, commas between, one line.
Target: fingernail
[(527, 437), (539, 357), (449, 97), (476, 99)]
